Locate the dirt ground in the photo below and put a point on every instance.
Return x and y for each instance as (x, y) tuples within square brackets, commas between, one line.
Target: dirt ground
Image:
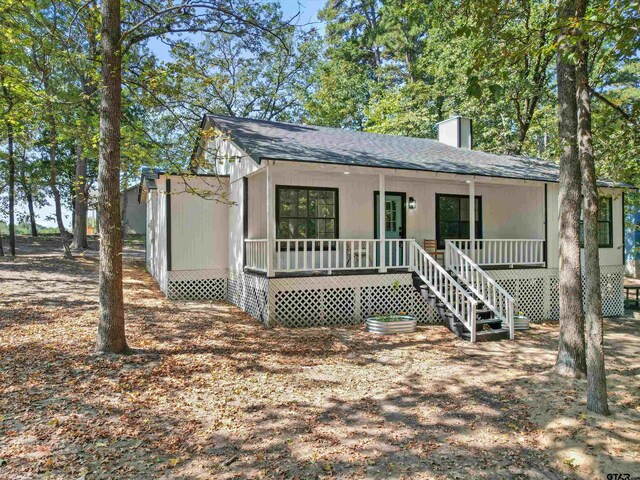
[(212, 394)]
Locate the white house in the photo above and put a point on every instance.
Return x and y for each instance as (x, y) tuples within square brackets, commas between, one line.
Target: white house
[(134, 220), (323, 226), (133, 212)]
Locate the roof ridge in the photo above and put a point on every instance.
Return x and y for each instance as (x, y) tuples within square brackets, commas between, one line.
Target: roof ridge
[(324, 127), (377, 134), (276, 140)]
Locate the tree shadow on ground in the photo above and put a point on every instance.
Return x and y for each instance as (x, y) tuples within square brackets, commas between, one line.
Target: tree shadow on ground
[(214, 394)]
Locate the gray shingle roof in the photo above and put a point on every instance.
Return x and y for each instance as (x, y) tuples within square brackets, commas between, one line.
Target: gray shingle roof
[(263, 139)]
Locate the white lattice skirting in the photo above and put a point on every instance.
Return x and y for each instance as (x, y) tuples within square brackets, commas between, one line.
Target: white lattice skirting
[(197, 284), (160, 276), (344, 299), (349, 299), (250, 293), (535, 291)]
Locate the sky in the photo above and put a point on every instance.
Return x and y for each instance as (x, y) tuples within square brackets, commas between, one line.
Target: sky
[(303, 13), (308, 15)]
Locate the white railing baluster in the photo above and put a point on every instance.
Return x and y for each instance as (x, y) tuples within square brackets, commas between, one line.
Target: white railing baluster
[(334, 254), (483, 286), (492, 252), (366, 253), (446, 289), (304, 255)]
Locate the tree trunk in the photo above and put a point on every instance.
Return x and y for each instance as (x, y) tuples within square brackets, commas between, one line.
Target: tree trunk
[(80, 201), (111, 330), (596, 375), (125, 220), (11, 160), (12, 191), (28, 193), (1, 248), (571, 351), (125, 202), (32, 213), (53, 182)]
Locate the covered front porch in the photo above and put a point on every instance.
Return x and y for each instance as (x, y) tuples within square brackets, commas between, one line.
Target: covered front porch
[(338, 219), (317, 249)]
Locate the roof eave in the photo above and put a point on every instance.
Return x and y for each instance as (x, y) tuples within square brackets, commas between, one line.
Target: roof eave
[(601, 183)]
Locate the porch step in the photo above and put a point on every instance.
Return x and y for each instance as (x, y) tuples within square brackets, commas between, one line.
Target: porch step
[(487, 326), (482, 325), (488, 335)]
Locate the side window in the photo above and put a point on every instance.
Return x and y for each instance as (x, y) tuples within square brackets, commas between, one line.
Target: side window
[(307, 212), (605, 223), (452, 218)]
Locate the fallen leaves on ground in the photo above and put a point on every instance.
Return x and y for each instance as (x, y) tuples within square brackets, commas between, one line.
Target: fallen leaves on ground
[(211, 393)]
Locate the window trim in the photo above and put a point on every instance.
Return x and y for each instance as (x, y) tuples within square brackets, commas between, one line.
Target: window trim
[(279, 188), (453, 195), (609, 199)]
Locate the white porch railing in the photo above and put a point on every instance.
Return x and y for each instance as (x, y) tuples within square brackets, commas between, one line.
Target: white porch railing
[(256, 254), (300, 255), (496, 298), (450, 292), (501, 252)]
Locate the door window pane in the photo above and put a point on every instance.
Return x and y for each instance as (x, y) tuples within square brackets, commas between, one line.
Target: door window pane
[(391, 216)]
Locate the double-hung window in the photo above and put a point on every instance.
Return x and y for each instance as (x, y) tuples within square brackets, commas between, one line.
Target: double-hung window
[(306, 212), (605, 223), (452, 217)]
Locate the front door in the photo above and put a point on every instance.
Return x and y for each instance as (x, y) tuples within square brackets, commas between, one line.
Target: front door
[(394, 224)]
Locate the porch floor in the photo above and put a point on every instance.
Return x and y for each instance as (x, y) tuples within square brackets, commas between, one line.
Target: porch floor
[(373, 271), (334, 273), (514, 267)]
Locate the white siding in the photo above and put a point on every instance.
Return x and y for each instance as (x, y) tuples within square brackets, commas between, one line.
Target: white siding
[(608, 256), (135, 213), (220, 151), (235, 225), (199, 226), (156, 235), (508, 211), (257, 185)]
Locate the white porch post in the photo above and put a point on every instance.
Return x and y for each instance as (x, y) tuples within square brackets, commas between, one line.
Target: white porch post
[(381, 225), (271, 221), (472, 218)]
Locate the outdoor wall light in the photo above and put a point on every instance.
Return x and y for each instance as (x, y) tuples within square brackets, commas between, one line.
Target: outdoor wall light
[(412, 203)]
